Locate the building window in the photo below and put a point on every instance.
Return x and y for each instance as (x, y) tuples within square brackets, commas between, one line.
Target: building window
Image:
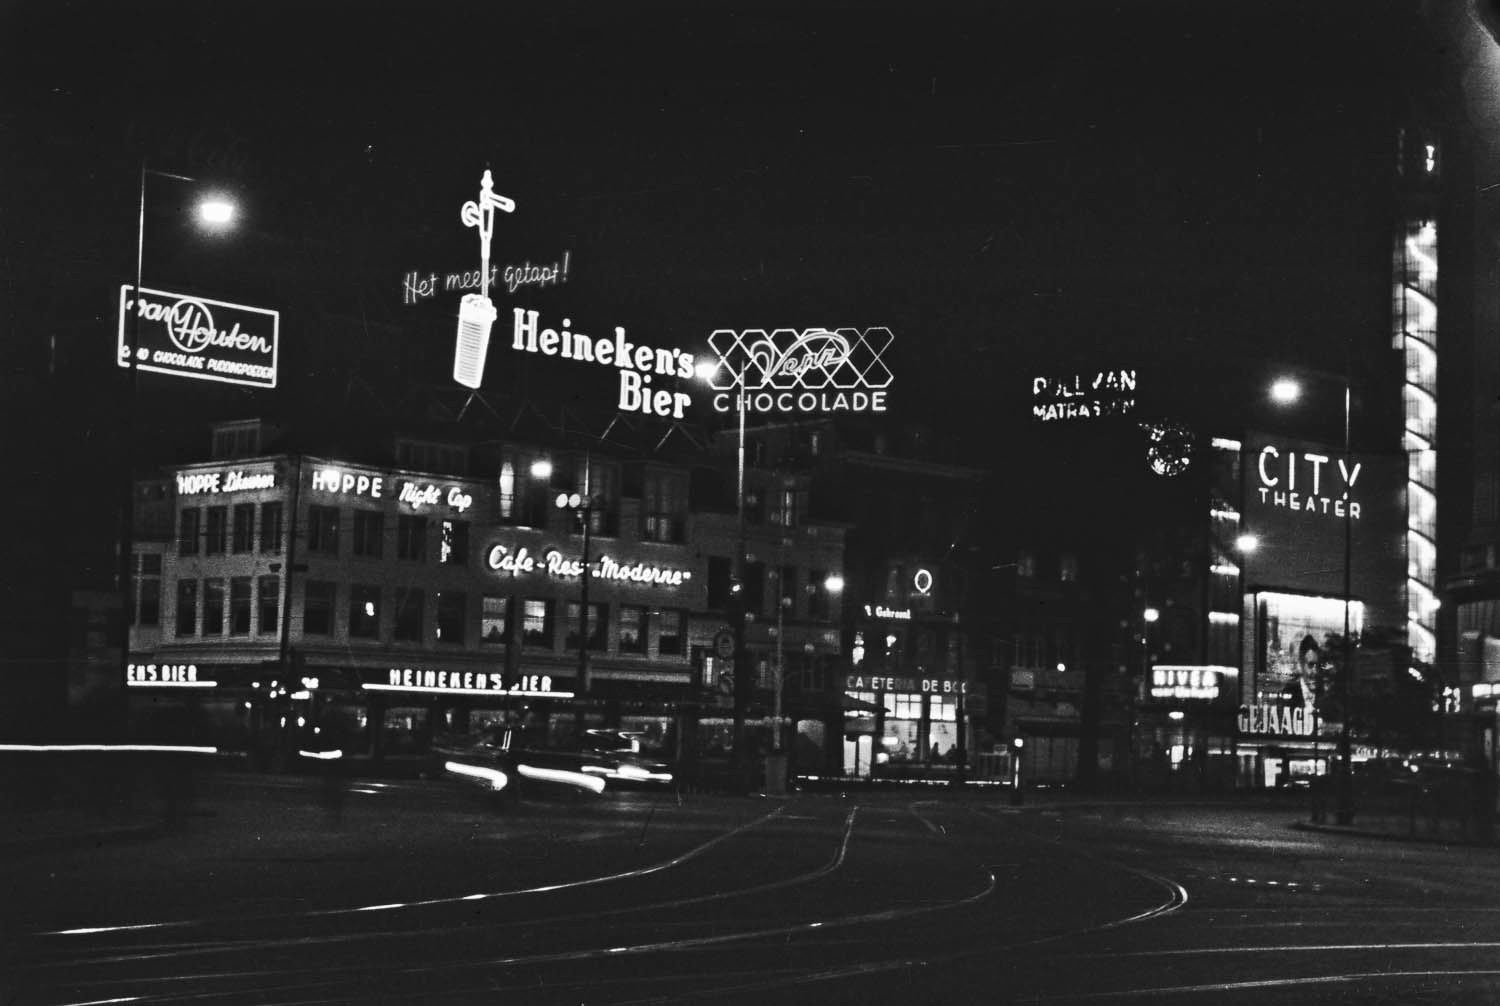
[(270, 527), (632, 629), (791, 504), (317, 607), (536, 622), (244, 527), (664, 504), (364, 612), (369, 533), (754, 588), (187, 537), (409, 615), (1067, 568), (672, 634), (323, 529), (411, 537), (187, 608), (452, 615), (239, 606), (1025, 564), (719, 573), (598, 626), (505, 499), (523, 498), (454, 548), (786, 589), (213, 607), (147, 588), (270, 603), (216, 538), (818, 601), (493, 618)]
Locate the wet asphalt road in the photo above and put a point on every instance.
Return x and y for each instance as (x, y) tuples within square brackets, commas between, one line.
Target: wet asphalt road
[(427, 892)]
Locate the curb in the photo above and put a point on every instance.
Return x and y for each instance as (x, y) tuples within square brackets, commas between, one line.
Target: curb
[(1394, 836)]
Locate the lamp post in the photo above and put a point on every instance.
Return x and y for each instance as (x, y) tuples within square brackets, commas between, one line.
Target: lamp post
[(583, 505), (1286, 391), (1149, 617), (215, 213)]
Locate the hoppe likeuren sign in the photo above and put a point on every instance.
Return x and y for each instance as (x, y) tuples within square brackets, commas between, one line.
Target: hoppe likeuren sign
[(209, 340)]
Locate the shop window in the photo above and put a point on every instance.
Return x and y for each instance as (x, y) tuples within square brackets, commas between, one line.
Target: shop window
[(323, 529), (452, 616), (270, 527), (189, 531), (409, 605), (671, 638), (216, 537), (598, 626), (454, 548), (244, 527), (369, 533), (903, 705), (317, 608), (719, 576), (411, 537), (632, 629), (187, 608), (494, 619), (364, 612), (270, 603), (868, 699), (536, 622), (213, 607), (239, 606)]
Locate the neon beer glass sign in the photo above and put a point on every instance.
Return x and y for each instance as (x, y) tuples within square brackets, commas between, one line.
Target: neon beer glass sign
[(476, 312)]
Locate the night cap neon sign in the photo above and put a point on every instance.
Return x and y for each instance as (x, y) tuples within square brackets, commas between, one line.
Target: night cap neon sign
[(476, 313)]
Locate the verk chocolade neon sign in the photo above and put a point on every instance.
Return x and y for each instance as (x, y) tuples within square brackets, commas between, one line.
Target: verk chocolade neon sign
[(811, 370)]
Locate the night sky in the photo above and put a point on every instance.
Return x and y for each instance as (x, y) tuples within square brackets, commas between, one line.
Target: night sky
[(1194, 190)]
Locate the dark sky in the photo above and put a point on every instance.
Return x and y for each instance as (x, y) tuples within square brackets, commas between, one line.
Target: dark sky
[(1012, 188)]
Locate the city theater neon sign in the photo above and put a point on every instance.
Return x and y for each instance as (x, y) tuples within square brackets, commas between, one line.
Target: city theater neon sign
[(812, 370), (520, 562), (1300, 484)]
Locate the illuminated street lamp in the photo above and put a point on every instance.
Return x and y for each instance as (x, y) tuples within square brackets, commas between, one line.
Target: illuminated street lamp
[(1286, 391), (215, 213), (583, 505)]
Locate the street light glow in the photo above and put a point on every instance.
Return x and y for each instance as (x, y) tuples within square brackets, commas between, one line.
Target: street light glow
[(1285, 391), (706, 370), (541, 469), (1151, 614), (834, 583), (1247, 543), (216, 211)]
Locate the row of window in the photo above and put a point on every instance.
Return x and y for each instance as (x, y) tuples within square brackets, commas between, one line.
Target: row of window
[(243, 605), (217, 529), (780, 584)]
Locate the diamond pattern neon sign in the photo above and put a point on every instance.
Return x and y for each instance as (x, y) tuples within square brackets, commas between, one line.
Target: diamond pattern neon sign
[(787, 369)]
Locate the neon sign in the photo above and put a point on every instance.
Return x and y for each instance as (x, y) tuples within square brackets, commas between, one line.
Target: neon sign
[(1279, 484), (1276, 720), (1186, 681), (210, 340), (894, 614), (170, 675), (376, 487), (476, 313), (416, 287), (411, 679), (553, 563), (234, 480), (812, 370), (1079, 397), (930, 686), (637, 364)]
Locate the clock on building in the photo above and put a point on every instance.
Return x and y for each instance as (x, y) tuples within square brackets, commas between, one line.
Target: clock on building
[(1169, 448)]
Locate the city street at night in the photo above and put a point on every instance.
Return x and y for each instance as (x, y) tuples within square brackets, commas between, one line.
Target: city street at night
[(423, 893)]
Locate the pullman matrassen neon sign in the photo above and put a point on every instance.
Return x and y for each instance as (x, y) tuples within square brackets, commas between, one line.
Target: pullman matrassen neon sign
[(812, 370)]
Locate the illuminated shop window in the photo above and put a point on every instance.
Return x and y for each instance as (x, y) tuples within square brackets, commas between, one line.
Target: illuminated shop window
[(536, 622), (454, 548), (408, 627), (632, 629), (364, 612), (862, 713), (598, 626), (452, 616), (903, 705), (506, 498), (189, 531), (323, 529), (239, 606), (213, 607), (943, 710), (317, 608), (493, 619), (244, 527), (369, 533), (187, 608), (671, 635), (411, 537), (270, 527), (216, 538), (270, 603)]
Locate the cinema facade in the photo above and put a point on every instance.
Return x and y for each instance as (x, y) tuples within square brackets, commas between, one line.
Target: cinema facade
[(280, 596)]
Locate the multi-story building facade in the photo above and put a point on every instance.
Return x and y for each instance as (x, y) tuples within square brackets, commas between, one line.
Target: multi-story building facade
[(410, 601)]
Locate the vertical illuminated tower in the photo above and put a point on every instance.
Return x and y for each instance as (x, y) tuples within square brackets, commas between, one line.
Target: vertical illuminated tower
[(1414, 319)]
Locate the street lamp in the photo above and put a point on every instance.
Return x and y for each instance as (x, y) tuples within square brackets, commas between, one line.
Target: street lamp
[(215, 213), (583, 505), (1286, 391)]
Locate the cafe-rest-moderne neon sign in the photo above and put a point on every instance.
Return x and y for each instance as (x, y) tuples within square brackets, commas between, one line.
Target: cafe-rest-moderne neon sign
[(521, 562)]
